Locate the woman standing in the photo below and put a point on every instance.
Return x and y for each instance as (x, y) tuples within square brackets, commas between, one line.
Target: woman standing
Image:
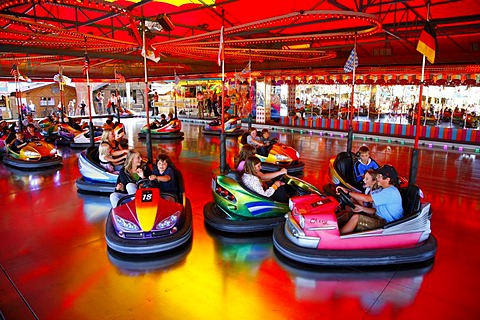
[(200, 100), (155, 104), (112, 102)]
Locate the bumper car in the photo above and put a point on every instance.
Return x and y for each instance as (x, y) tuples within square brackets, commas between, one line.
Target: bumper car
[(170, 131), (126, 113), (280, 156), (37, 154), (233, 127), (236, 209), (82, 139), (66, 134), (341, 173), (3, 145), (151, 222), (310, 234), (94, 177), (49, 129)]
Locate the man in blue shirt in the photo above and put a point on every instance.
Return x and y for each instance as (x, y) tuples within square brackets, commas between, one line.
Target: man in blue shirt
[(386, 204)]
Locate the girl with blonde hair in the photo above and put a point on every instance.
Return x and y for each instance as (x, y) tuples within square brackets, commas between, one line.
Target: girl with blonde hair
[(134, 169)]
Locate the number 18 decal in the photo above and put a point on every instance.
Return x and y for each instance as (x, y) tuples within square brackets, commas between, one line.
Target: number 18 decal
[(147, 196)]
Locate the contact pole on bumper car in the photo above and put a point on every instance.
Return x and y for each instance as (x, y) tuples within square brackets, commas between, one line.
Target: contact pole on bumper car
[(414, 164), (223, 136), (351, 108), (18, 97), (223, 143), (61, 83), (148, 136), (350, 138), (86, 67)]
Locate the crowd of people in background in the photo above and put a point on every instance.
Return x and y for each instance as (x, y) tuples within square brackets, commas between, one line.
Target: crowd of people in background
[(209, 103)]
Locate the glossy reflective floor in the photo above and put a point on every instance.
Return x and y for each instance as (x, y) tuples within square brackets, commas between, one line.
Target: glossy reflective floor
[(55, 263)]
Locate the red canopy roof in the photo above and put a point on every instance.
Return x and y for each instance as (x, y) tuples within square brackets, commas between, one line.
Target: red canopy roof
[(43, 36)]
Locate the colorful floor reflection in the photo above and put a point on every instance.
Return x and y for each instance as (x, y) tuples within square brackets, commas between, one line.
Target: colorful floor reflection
[(55, 263)]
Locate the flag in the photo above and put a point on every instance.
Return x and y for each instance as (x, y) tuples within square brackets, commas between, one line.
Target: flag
[(23, 77), (152, 53), (18, 76), (119, 77), (248, 68), (239, 78), (352, 61), (427, 44), (221, 53), (14, 71), (61, 78), (86, 64)]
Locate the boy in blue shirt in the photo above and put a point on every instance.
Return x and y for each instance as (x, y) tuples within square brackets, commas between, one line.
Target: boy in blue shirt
[(363, 164)]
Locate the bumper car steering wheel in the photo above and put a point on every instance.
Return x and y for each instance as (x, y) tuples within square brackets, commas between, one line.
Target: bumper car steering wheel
[(344, 199), (147, 183)]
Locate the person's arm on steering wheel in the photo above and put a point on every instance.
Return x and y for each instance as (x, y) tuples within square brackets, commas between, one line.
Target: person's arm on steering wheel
[(359, 197), (253, 141), (21, 145), (271, 175), (258, 143)]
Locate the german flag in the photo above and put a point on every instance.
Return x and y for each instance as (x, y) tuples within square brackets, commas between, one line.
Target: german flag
[(427, 44)]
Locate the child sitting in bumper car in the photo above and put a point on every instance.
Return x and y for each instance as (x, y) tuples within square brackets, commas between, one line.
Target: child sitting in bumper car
[(163, 174), (364, 163), (107, 161), (18, 143), (251, 179)]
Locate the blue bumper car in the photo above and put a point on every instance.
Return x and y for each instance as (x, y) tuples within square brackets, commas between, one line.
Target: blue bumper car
[(94, 177)]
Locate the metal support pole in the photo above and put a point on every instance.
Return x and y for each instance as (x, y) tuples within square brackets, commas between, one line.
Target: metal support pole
[(148, 136), (90, 122), (350, 139), (223, 153), (414, 167), (223, 144)]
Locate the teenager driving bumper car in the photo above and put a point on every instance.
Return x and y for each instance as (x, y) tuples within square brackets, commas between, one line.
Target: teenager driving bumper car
[(311, 233)]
